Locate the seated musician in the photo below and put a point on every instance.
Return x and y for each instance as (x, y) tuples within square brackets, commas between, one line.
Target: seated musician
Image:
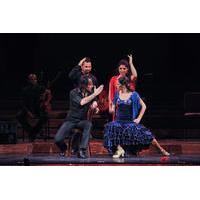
[(33, 106)]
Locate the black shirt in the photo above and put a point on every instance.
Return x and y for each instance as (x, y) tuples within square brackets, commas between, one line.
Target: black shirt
[(76, 111), (76, 73), (30, 98)]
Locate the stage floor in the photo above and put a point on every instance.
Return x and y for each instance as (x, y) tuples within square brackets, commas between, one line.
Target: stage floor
[(103, 160), (182, 152)]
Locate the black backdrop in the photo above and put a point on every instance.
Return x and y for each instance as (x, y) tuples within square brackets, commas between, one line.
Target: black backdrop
[(167, 64)]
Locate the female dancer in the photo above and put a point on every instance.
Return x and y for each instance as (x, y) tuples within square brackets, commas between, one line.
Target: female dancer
[(124, 69), (126, 131)]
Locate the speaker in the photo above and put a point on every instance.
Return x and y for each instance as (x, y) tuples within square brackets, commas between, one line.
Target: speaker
[(8, 132)]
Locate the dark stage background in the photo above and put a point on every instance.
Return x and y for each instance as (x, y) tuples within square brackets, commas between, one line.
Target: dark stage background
[(167, 64)]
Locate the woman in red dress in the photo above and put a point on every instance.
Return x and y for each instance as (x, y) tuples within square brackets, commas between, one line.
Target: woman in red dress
[(125, 68)]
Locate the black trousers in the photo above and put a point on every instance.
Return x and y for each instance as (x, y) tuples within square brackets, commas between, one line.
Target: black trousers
[(22, 117), (65, 130)]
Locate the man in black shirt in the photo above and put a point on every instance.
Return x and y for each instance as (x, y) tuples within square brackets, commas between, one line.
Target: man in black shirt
[(81, 100), (84, 67), (31, 101)]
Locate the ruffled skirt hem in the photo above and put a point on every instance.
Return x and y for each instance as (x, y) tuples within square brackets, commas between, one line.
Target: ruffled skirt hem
[(126, 134)]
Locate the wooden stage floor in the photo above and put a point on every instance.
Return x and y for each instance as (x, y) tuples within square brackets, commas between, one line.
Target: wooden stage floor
[(183, 152)]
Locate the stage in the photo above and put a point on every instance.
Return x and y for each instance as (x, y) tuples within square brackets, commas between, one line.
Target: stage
[(34, 160), (182, 153), (174, 132)]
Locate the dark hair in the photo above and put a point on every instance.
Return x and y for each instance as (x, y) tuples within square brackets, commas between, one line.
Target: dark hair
[(124, 62), (84, 81), (87, 59), (124, 81)]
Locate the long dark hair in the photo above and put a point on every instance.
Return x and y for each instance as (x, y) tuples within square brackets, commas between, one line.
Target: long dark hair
[(125, 82), (84, 80), (124, 62)]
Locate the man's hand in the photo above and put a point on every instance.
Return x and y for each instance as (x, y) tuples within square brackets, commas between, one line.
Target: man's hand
[(89, 98), (81, 61), (98, 90), (94, 105), (96, 110)]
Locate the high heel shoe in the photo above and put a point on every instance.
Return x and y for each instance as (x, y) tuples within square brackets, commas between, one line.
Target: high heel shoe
[(119, 153), (164, 152)]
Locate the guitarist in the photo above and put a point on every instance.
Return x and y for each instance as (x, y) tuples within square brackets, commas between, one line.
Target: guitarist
[(31, 99)]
